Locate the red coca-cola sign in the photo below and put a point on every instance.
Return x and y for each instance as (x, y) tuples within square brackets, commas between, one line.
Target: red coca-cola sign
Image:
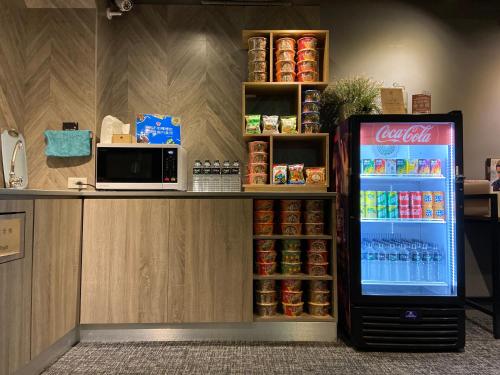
[(407, 133)]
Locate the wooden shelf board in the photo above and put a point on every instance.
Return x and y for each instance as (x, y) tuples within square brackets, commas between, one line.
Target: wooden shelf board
[(302, 318), (281, 86), (297, 136), (299, 276), (269, 188), (298, 237)]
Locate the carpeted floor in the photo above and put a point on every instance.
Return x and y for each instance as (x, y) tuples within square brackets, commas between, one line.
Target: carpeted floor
[(481, 356)]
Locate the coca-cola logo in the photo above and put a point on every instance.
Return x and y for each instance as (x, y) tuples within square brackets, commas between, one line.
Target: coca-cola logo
[(411, 134)]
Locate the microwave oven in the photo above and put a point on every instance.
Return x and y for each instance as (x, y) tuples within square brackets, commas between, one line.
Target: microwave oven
[(140, 166)]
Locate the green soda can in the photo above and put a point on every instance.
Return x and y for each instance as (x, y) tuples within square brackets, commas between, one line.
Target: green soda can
[(381, 212), (371, 212), (392, 211), (381, 198), (392, 198)]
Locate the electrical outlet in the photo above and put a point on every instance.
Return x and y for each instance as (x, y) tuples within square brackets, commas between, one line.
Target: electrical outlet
[(77, 182)]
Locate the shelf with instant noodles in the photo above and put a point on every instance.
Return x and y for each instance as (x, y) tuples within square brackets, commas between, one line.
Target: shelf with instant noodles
[(405, 221), (298, 276)]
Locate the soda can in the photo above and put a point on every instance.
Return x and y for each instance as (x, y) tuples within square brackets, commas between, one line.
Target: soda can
[(362, 198), (362, 212), (427, 199), (390, 166), (404, 212), (370, 198), (412, 165), (371, 212), (392, 198), (392, 211), (424, 166), (439, 214), (438, 201), (401, 166), (435, 166), (428, 213), (381, 198), (416, 199), (381, 212), (368, 166), (416, 212), (379, 166), (404, 198)]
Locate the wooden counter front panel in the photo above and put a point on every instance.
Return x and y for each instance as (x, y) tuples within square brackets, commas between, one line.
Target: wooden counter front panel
[(56, 270), (15, 297), (166, 261)]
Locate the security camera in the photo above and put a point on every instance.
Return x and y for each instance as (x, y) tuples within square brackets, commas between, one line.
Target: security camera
[(124, 5)]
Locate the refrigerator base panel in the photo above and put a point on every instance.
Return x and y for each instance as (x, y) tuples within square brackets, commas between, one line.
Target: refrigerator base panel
[(407, 329)]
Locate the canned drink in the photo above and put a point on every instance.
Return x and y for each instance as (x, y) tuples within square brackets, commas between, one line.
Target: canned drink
[(381, 198), (381, 212), (362, 198), (435, 166), (362, 212), (412, 166), (392, 211), (401, 166), (392, 198), (416, 198), (427, 213), (416, 212), (404, 198), (404, 212), (370, 198), (368, 166), (371, 212), (427, 198), (424, 166), (439, 214), (438, 201), (390, 166), (379, 166)]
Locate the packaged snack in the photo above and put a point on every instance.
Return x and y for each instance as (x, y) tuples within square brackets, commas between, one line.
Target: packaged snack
[(257, 157), (319, 309), (390, 166), (379, 166), (290, 244), (290, 216), (285, 66), (257, 77), (308, 76), (285, 76), (296, 174), (291, 229), (435, 166), (257, 178), (307, 54), (307, 66), (285, 43), (263, 204), (317, 256), (252, 124), (314, 217), (267, 309), (316, 175), (257, 42), (265, 245), (256, 168), (279, 174), (310, 107), (311, 127), (314, 228), (285, 55), (263, 228), (263, 216), (290, 204), (265, 269), (290, 256), (265, 256), (314, 205), (316, 245), (257, 55), (288, 124), (270, 124), (291, 296), (257, 66), (315, 285), (293, 309), (290, 268), (307, 42), (317, 269), (424, 166), (265, 296), (312, 96), (293, 285), (319, 296)]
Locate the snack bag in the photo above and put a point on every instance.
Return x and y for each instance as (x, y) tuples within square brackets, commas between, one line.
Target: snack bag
[(296, 174), (315, 175), (279, 173), (252, 124), (288, 124), (270, 124)]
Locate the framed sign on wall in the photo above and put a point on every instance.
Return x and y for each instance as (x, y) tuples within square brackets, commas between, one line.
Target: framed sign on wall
[(11, 236)]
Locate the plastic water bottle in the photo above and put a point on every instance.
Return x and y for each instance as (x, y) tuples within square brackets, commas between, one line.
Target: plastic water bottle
[(403, 264), (215, 177), (236, 176), (435, 264), (392, 255), (383, 261), (365, 266), (414, 261), (206, 170), (422, 263), (226, 176), (197, 176)]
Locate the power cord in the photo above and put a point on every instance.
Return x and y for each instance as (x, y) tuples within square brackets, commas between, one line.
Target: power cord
[(81, 184)]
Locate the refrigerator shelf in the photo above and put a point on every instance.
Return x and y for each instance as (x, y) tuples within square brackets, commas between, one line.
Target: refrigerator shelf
[(402, 177), (404, 283), (404, 221)]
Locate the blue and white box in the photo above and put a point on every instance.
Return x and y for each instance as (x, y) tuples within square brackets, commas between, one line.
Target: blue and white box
[(158, 129)]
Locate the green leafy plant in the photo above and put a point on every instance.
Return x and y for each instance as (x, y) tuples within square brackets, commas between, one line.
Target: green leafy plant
[(347, 97)]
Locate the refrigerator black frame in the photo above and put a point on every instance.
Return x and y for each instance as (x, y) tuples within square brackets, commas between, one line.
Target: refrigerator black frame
[(356, 297)]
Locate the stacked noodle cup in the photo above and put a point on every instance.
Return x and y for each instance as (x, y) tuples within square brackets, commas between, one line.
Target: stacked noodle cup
[(307, 59), (257, 62), (285, 65)]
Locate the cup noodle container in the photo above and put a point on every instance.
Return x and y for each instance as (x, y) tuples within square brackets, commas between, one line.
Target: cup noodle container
[(257, 42), (307, 54), (308, 76), (285, 55), (285, 44), (256, 55), (307, 65), (285, 77), (284, 66), (307, 42)]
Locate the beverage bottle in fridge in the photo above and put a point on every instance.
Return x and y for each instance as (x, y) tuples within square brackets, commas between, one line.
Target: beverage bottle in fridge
[(392, 255), (414, 261), (197, 176), (422, 262), (373, 262), (383, 263), (403, 264), (364, 260), (426, 261), (435, 263)]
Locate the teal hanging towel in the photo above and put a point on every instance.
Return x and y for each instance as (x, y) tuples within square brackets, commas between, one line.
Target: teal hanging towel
[(67, 143)]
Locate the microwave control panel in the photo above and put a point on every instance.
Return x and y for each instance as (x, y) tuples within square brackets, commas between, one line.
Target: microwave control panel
[(170, 165)]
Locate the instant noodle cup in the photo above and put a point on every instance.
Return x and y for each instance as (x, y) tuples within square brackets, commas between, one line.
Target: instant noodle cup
[(319, 296), (258, 146), (283, 66), (317, 269), (257, 168), (263, 205), (315, 256), (263, 216), (285, 77), (290, 204), (267, 309), (285, 43), (308, 76), (257, 178), (310, 117), (257, 55), (289, 296), (258, 157), (314, 216), (290, 244), (317, 245), (311, 127), (290, 256), (312, 96), (290, 216), (307, 42), (293, 285), (307, 54), (265, 269), (257, 42), (291, 229), (263, 229), (319, 309), (265, 285), (265, 245), (293, 309), (285, 55), (310, 107), (315, 285), (314, 205), (290, 268), (257, 66), (257, 77), (314, 228), (307, 66), (264, 296)]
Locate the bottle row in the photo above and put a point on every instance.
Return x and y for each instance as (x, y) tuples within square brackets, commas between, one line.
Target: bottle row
[(214, 177), (401, 167)]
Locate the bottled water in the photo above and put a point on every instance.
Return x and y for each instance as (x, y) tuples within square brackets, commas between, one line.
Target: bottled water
[(373, 265), (403, 264), (435, 264), (206, 171), (197, 176), (215, 177), (226, 176), (383, 262), (392, 258)]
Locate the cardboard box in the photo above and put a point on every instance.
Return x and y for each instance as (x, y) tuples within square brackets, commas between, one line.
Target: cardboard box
[(121, 138), (158, 129)]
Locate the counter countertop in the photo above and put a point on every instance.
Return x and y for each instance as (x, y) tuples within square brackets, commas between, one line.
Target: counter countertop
[(12, 193)]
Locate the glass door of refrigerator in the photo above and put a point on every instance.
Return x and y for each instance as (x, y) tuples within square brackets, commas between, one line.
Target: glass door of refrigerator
[(407, 207)]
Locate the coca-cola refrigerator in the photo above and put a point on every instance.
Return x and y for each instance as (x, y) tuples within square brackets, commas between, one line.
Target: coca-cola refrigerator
[(400, 231)]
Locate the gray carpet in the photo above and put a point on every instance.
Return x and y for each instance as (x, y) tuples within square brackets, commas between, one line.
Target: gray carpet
[(481, 356)]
